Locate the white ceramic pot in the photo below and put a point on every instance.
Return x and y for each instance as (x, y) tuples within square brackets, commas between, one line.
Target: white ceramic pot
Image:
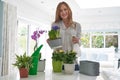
[(41, 65), (69, 68)]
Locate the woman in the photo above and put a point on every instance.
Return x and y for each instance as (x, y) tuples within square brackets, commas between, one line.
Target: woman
[(69, 30)]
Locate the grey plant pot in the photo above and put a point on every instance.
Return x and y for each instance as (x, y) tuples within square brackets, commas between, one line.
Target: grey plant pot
[(55, 43), (41, 65)]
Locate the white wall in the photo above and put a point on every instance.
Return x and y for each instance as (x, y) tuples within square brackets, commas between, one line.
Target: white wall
[(90, 19), (100, 18), (28, 11)]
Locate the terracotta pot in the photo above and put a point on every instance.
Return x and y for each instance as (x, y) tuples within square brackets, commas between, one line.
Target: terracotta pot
[(23, 73)]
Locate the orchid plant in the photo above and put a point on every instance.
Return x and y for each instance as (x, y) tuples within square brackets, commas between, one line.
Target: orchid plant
[(36, 35)]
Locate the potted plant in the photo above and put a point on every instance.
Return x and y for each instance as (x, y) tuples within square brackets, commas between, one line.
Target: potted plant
[(57, 60), (36, 54), (54, 37), (69, 59), (24, 63)]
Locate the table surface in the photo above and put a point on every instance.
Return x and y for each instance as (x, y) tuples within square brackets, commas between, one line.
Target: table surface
[(49, 75)]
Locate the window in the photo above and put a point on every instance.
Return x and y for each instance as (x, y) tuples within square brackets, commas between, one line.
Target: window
[(85, 40), (25, 42), (111, 39), (22, 37), (99, 39)]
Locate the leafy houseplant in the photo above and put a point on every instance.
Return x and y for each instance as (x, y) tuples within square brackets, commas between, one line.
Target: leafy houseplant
[(69, 59), (54, 37), (57, 60), (37, 63), (58, 55), (54, 33), (24, 63)]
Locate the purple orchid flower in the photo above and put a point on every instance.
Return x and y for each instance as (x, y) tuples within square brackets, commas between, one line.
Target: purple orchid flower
[(34, 37), (41, 32), (37, 34)]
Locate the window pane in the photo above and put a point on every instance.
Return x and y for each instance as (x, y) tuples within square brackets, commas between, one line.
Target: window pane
[(85, 40), (22, 35), (97, 41), (111, 40)]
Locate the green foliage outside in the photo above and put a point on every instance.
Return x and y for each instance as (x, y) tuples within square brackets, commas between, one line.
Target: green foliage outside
[(97, 42), (85, 40), (22, 37), (22, 42), (112, 40)]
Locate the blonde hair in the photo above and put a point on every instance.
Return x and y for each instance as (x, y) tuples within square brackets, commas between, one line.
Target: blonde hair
[(58, 18)]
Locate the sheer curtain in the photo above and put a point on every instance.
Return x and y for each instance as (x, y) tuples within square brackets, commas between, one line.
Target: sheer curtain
[(9, 38)]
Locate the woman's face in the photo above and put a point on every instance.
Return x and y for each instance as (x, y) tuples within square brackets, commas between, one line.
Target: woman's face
[(63, 12)]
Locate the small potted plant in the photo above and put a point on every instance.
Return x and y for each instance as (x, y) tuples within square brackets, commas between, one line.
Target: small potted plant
[(57, 60), (69, 59), (36, 54), (24, 63), (54, 37)]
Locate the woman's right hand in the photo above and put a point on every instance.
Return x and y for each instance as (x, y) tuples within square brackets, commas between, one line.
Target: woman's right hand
[(75, 39)]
